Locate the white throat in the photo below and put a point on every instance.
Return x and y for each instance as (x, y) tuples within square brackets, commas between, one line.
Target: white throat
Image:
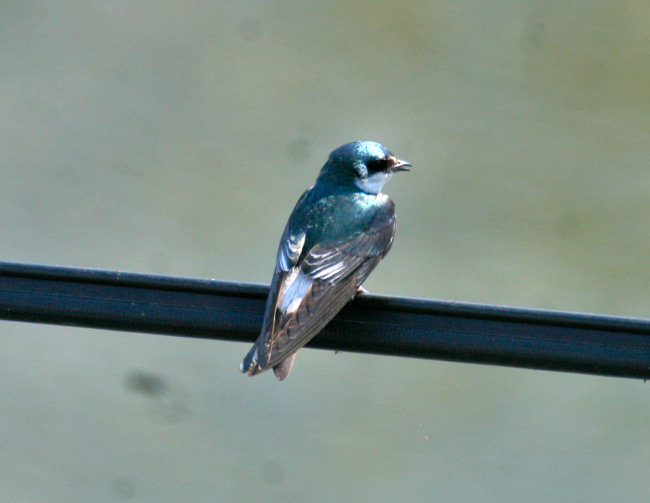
[(374, 183)]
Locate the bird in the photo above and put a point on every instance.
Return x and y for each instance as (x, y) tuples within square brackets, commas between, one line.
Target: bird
[(338, 232)]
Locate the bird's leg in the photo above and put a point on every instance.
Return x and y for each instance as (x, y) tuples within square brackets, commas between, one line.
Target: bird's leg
[(361, 290)]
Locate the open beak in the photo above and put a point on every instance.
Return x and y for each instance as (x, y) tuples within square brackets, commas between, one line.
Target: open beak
[(401, 166)]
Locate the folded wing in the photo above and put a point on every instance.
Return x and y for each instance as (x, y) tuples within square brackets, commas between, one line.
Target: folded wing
[(307, 292)]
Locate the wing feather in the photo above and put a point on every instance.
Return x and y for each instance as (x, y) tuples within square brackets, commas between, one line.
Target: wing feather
[(335, 271)]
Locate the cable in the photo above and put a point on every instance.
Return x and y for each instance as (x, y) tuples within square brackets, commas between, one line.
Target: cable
[(210, 309)]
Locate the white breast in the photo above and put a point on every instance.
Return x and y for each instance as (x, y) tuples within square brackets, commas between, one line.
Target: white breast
[(374, 183)]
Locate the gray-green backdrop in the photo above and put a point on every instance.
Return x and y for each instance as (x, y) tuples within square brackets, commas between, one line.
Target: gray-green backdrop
[(175, 136)]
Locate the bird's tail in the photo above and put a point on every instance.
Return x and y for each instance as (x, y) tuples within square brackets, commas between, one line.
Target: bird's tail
[(282, 369), (251, 365)]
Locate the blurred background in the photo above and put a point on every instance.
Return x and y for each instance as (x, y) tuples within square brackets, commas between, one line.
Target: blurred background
[(175, 137)]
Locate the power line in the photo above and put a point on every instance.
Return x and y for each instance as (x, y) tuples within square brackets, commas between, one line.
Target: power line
[(211, 309)]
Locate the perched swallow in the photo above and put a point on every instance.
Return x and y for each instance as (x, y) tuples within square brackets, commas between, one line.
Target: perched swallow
[(338, 232)]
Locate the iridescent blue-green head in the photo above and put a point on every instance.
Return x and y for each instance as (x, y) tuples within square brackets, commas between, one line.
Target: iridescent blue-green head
[(364, 165)]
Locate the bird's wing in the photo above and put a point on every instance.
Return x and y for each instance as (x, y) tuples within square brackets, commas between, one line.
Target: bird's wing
[(316, 287), (291, 245)]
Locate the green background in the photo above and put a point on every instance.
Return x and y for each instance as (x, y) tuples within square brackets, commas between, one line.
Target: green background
[(175, 137)]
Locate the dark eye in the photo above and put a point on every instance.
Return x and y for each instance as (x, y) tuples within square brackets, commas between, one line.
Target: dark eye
[(377, 165)]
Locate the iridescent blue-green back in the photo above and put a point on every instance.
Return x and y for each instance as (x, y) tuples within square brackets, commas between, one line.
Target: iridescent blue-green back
[(335, 208), (333, 214)]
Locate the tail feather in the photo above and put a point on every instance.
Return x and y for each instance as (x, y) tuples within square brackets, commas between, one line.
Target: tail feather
[(283, 369)]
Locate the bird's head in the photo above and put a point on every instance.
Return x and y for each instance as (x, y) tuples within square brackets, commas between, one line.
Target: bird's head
[(365, 164)]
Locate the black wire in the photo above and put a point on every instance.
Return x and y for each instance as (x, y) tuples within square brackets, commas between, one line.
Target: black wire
[(210, 309)]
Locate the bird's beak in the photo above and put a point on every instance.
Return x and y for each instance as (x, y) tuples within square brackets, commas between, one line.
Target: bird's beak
[(401, 166)]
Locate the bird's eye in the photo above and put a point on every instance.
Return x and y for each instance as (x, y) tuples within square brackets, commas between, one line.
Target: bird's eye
[(377, 165)]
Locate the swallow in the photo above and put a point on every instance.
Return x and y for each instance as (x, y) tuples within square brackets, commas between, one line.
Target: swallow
[(338, 232)]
